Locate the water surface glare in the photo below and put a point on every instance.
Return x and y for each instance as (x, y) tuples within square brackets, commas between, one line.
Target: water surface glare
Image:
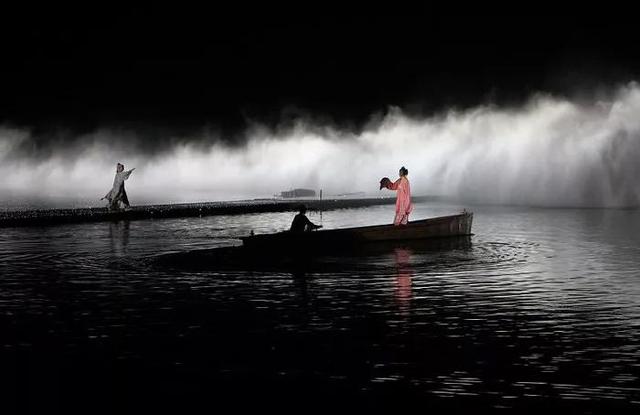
[(540, 310)]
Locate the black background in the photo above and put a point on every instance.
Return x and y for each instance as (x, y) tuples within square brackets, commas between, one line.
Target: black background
[(183, 67)]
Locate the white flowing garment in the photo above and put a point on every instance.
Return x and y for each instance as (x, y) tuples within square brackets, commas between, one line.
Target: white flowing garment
[(117, 191)]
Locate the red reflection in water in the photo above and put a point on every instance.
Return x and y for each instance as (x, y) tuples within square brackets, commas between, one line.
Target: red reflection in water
[(403, 279)]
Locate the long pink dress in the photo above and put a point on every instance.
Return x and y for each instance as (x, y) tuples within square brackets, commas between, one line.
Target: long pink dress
[(403, 200)]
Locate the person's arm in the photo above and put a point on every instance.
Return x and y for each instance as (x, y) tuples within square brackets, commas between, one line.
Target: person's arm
[(394, 186), (311, 224), (128, 173)]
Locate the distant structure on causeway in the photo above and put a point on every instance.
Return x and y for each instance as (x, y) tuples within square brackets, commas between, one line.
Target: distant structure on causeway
[(295, 193), (352, 194)]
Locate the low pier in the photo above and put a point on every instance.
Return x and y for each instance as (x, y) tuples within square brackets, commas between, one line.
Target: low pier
[(47, 217)]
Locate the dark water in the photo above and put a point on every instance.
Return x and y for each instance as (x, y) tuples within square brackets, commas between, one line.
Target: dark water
[(541, 310)]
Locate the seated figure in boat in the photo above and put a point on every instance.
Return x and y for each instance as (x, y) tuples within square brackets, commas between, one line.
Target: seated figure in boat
[(301, 223), (403, 200)]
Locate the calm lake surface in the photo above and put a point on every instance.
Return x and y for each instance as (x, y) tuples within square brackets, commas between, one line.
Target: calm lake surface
[(541, 310)]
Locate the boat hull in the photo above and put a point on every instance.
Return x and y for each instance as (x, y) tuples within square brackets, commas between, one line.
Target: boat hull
[(445, 226)]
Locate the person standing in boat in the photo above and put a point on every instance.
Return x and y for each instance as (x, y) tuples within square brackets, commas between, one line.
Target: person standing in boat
[(301, 223), (117, 193), (403, 200)]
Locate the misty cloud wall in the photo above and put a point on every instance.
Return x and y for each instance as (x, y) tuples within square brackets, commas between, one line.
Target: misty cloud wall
[(548, 152)]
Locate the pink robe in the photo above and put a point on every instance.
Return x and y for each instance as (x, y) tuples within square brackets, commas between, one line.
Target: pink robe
[(403, 201)]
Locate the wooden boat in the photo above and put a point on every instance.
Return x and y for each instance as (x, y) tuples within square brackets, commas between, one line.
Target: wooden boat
[(445, 226)]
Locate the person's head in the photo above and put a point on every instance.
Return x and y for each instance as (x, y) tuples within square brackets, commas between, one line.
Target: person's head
[(302, 209), (120, 168), (403, 171)]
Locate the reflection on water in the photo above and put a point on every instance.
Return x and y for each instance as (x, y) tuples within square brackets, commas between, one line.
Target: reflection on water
[(541, 310), (403, 279), (119, 236)]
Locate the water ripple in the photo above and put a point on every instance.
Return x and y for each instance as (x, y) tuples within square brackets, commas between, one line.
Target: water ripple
[(543, 305)]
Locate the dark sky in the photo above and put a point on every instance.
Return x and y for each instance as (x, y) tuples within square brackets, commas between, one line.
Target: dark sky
[(83, 68)]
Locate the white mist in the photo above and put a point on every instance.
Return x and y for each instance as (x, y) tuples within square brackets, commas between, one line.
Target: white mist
[(549, 152)]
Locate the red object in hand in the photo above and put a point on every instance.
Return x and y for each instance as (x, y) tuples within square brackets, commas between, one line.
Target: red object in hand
[(385, 182)]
